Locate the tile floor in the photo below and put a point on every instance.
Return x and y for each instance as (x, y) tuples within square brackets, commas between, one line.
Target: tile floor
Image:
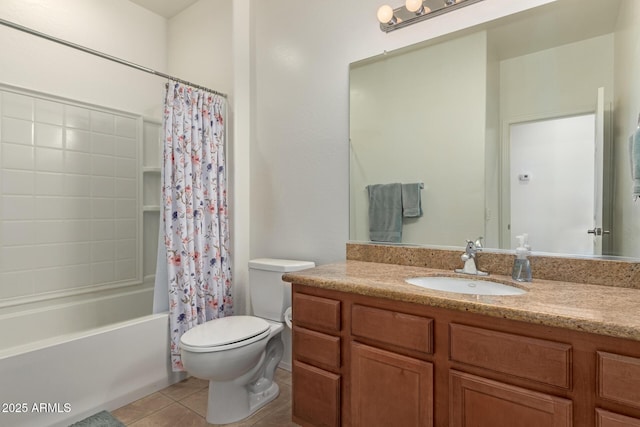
[(185, 404)]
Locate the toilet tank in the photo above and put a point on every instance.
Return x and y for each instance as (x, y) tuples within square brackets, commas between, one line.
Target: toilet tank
[(270, 295)]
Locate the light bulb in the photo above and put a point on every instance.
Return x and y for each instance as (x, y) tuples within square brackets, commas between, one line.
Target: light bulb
[(385, 14), (413, 5)]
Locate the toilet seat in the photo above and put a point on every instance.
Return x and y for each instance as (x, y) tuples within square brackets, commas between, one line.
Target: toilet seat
[(225, 334)]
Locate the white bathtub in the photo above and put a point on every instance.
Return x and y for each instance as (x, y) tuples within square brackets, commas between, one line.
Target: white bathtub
[(55, 380), (38, 322)]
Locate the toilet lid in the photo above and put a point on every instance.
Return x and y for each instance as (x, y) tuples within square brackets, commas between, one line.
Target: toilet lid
[(224, 331)]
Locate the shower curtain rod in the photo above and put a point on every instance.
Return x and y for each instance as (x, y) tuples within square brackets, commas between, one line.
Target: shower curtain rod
[(102, 55)]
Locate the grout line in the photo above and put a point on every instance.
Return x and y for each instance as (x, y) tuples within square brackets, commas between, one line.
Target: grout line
[(149, 415), (181, 397), (191, 410), (146, 415), (262, 413)]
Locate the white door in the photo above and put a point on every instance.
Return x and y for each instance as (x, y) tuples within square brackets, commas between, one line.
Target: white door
[(552, 175)]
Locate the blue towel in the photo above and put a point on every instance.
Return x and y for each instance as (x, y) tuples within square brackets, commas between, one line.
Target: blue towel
[(385, 212), (411, 200), (634, 156)]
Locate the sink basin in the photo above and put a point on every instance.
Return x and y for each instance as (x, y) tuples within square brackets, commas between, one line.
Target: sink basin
[(462, 285)]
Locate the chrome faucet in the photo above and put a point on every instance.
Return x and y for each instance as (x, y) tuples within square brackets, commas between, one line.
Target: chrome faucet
[(468, 257)]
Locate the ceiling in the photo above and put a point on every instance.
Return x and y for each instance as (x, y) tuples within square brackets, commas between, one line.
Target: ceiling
[(166, 8)]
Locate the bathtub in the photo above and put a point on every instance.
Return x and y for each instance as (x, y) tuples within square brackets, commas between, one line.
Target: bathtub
[(54, 371)]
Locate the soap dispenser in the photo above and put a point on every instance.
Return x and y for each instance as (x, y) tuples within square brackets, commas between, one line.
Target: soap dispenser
[(522, 266)]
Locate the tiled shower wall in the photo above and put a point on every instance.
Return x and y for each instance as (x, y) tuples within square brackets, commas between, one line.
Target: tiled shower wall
[(69, 212)]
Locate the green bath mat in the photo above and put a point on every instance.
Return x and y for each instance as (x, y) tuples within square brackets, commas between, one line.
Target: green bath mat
[(101, 419)]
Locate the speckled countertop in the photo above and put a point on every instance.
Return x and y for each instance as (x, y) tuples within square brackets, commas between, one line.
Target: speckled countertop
[(606, 310)]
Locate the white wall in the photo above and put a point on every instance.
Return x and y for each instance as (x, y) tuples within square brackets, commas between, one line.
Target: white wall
[(289, 123), (243, 130), (199, 45), (627, 109), (208, 44), (290, 79), (544, 84), (492, 152), (116, 27), (398, 134), (299, 153)]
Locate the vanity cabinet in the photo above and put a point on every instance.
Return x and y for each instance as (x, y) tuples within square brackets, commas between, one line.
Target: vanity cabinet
[(316, 360), (611, 419), (387, 387), (619, 382), (316, 397), (496, 404), (540, 360), (371, 361)]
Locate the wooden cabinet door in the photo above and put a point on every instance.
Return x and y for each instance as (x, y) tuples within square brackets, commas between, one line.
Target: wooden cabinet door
[(316, 396), (479, 402), (388, 389), (610, 419)]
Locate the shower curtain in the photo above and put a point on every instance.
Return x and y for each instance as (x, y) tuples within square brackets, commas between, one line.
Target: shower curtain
[(194, 221)]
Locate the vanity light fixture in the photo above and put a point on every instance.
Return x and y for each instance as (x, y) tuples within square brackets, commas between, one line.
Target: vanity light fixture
[(386, 15), (417, 7), (415, 11)]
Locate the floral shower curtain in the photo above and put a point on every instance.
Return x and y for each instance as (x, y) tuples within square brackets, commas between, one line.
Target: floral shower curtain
[(194, 211)]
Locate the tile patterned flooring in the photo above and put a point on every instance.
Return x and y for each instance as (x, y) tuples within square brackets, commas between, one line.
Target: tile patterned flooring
[(185, 404)]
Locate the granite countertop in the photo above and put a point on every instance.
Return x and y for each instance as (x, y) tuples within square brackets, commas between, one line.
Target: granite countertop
[(606, 310)]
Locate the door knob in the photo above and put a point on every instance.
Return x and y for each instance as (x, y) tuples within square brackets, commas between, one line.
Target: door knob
[(597, 231)]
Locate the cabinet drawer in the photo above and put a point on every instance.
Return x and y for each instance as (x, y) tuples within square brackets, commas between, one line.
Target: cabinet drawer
[(609, 419), (390, 327), (618, 378), (539, 360), (316, 348), (316, 396), (316, 312)]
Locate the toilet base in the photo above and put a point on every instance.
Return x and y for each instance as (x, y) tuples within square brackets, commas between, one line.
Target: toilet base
[(229, 402), (258, 400), (232, 401)]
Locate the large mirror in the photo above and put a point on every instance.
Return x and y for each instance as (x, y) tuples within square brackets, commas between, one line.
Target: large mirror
[(520, 125)]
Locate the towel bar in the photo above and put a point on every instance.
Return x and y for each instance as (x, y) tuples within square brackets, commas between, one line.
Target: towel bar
[(421, 186)]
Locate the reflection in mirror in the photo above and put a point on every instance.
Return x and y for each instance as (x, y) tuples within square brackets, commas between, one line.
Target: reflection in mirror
[(520, 125)]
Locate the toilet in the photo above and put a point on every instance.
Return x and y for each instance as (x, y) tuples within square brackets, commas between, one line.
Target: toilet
[(239, 354)]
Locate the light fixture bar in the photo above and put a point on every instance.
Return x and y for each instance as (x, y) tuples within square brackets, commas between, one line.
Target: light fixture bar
[(404, 18)]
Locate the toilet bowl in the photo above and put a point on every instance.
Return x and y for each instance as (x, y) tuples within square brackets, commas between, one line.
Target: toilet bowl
[(238, 355)]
